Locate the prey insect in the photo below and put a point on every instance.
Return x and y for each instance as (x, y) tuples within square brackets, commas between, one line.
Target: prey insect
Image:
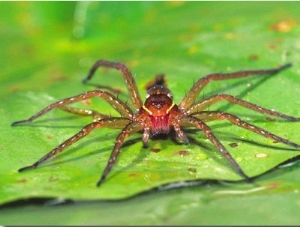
[(159, 114)]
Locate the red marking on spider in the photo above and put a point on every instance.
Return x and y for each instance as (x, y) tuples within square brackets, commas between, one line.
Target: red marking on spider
[(158, 114)]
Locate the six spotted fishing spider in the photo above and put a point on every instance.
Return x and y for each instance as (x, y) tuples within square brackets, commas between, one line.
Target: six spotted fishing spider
[(158, 114)]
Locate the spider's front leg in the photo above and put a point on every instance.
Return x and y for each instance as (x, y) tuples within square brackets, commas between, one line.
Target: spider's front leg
[(129, 80), (193, 93)]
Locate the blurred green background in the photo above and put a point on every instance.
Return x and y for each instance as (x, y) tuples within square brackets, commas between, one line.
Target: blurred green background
[(47, 48)]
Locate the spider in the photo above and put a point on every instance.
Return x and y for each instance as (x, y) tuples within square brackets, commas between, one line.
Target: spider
[(159, 114)]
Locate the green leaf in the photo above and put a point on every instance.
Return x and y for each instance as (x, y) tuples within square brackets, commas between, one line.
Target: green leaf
[(48, 48)]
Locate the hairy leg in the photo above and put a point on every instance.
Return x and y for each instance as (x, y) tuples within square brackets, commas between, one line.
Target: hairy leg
[(84, 112), (129, 80), (215, 115), (108, 123), (127, 131), (205, 103), (193, 93), (111, 99), (192, 121)]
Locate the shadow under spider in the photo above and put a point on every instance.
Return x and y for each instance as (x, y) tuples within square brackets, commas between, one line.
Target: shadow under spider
[(107, 148), (74, 150), (46, 123), (231, 137), (143, 153)]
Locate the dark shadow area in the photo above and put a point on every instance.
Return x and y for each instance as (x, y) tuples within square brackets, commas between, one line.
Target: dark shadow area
[(47, 123)]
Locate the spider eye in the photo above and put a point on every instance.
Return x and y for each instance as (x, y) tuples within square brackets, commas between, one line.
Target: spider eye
[(159, 90), (158, 104), (170, 95)]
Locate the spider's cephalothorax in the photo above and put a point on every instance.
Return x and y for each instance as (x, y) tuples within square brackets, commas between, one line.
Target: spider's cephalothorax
[(159, 113), (158, 106)]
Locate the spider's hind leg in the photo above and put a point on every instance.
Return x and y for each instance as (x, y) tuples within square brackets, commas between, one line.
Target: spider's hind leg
[(215, 115), (105, 123)]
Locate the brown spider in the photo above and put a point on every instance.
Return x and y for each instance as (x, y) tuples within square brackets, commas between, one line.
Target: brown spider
[(159, 113)]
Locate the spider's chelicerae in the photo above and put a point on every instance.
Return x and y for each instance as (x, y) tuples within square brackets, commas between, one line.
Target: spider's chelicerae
[(158, 114)]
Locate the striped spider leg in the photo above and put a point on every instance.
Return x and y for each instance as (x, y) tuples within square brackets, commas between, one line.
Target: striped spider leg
[(100, 120), (129, 80)]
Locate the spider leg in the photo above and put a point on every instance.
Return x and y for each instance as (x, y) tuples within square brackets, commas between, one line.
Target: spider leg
[(116, 103), (192, 121), (205, 103), (192, 94), (146, 135), (214, 115), (180, 134), (128, 130), (129, 80), (84, 112), (108, 123)]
